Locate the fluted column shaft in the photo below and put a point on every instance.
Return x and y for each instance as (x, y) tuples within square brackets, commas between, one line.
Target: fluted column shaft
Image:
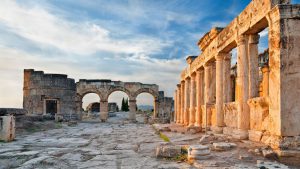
[(178, 109), (186, 101), (199, 96), (227, 90), (242, 84), (219, 89), (253, 66), (182, 102), (192, 100)]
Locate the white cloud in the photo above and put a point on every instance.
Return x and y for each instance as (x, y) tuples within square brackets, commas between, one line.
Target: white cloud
[(40, 26), (78, 44)]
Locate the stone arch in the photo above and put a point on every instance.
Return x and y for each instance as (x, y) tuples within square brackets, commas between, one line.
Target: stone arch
[(81, 94), (155, 95), (146, 90), (118, 88)]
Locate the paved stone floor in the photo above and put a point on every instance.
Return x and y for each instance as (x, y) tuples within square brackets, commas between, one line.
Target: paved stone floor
[(115, 144)]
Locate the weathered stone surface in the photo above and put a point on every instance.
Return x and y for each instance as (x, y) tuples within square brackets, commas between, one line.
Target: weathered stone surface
[(270, 165), (168, 151), (261, 92), (41, 95), (223, 146), (255, 135), (268, 153)]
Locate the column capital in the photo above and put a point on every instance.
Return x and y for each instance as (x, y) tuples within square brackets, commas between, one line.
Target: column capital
[(207, 64), (254, 38), (178, 85), (222, 55), (241, 40)]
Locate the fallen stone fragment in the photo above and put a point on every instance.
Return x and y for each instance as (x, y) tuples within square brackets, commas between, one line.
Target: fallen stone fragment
[(223, 146), (198, 152), (194, 130), (268, 153), (167, 151), (245, 157)]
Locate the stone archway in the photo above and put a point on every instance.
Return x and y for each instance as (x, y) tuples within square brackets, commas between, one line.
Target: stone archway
[(105, 87), (155, 95)]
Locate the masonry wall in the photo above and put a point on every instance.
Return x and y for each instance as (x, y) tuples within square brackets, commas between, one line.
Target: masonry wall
[(39, 87)]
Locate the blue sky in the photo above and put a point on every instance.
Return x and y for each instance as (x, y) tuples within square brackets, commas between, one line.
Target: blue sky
[(128, 40)]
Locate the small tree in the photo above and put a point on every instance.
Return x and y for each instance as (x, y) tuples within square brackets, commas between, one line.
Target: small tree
[(126, 105), (123, 105)]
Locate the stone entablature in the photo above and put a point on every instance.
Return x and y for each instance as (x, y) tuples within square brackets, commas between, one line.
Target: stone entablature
[(257, 99)]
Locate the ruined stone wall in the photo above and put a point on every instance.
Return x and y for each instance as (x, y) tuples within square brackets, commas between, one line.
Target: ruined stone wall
[(38, 87)]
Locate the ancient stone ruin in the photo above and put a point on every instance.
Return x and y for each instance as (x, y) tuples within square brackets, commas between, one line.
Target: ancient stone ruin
[(59, 95), (257, 99)]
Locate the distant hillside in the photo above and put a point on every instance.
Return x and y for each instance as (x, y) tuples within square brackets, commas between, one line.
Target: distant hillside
[(145, 107)]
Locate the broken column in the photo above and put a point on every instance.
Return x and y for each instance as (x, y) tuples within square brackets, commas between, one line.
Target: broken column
[(132, 110), (103, 110), (7, 128)]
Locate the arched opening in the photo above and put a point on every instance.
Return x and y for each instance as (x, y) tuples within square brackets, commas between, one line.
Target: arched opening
[(145, 103), (117, 101), (90, 105)]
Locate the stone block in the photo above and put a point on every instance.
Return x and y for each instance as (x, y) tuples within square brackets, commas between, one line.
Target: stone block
[(194, 129), (217, 130), (255, 135), (228, 130), (7, 128), (167, 151), (240, 134), (223, 146), (198, 152), (268, 153)]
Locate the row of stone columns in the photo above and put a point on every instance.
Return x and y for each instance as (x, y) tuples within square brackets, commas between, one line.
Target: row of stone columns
[(210, 85)]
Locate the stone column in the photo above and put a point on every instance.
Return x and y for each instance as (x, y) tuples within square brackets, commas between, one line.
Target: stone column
[(156, 105), (178, 104), (227, 90), (207, 92), (192, 100), (265, 80), (219, 93), (242, 88), (186, 101), (207, 81), (175, 106), (132, 110), (103, 110), (199, 97), (253, 65), (182, 102)]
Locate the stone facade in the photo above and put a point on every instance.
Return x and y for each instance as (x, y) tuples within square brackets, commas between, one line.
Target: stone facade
[(58, 95), (48, 93), (165, 111), (259, 97)]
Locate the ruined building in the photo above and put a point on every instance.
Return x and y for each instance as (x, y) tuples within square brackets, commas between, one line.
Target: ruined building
[(58, 95), (252, 101)]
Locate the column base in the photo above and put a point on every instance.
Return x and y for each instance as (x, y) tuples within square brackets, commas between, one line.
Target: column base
[(103, 116), (191, 125), (132, 117), (217, 130), (240, 134), (194, 129)]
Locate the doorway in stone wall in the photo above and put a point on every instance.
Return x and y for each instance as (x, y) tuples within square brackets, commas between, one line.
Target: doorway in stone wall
[(51, 107)]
